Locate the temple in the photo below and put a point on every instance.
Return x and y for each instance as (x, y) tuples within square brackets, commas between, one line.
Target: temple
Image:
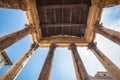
[(101, 76), (4, 59), (61, 23)]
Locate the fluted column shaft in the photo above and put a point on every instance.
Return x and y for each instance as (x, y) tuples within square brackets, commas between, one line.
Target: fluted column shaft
[(10, 39), (110, 34), (47, 67), (106, 62), (13, 72), (80, 70)]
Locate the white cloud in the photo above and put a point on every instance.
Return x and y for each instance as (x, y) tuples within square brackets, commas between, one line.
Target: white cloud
[(111, 18), (115, 25)]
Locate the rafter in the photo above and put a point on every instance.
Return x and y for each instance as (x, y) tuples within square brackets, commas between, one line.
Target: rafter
[(63, 6), (64, 25)]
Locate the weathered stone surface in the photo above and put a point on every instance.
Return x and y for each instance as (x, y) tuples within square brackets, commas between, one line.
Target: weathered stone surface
[(30, 7), (12, 73), (105, 3), (110, 3), (47, 67), (10, 39), (62, 41), (14, 4), (94, 17), (106, 62), (33, 18), (80, 70)]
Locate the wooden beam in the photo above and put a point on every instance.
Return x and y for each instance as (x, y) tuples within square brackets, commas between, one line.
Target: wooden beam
[(64, 25), (63, 6), (71, 15), (62, 41)]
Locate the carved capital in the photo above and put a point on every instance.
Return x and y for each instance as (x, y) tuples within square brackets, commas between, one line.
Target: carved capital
[(53, 45), (72, 46), (91, 45), (30, 27), (35, 46), (98, 26)]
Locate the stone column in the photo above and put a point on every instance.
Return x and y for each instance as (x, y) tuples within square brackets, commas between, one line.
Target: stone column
[(47, 67), (13, 72), (10, 39), (81, 73), (107, 63), (110, 34)]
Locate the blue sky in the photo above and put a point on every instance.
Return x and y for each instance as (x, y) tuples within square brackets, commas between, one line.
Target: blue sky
[(63, 69)]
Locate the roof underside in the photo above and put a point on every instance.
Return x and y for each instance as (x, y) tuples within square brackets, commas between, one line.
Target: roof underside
[(63, 17)]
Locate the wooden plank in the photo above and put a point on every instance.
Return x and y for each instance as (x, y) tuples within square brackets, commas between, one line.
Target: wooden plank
[(65, 25), (63, 6)]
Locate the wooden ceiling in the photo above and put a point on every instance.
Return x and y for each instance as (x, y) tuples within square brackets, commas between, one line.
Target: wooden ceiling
[(63, 17)]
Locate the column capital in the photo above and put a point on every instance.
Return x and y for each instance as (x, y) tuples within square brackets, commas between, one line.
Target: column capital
[(98, 26), (91, 45), (30, 27), (53, 45), (72, 46), (34, 45)]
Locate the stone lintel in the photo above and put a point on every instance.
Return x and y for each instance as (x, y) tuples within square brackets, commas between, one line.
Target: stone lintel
[(94, 17), (105, 3), (62, 41), (33, 18), (15, 4)]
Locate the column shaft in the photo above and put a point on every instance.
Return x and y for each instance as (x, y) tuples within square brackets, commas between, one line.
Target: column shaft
[(110, 34), (107, 63), (12, 73), (10, 39), (47, 67), (81, 73)]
